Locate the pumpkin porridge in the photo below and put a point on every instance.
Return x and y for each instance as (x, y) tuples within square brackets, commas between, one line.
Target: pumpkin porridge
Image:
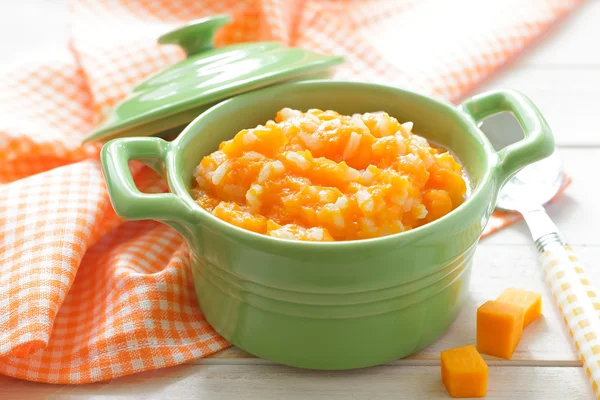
[(322, 176)]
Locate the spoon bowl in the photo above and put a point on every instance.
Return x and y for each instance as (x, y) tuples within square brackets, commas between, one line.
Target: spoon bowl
[(533, 186)]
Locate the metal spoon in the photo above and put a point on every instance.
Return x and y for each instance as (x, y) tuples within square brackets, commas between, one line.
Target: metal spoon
[(577, 299), (527, 193)]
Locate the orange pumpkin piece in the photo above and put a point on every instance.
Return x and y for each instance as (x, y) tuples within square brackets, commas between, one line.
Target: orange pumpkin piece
[(530, 302), (499, 327), (464, 372)]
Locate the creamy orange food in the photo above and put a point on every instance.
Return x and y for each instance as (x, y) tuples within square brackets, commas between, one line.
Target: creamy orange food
[(322, 176)]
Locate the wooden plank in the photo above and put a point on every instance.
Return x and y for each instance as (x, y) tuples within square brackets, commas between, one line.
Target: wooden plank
[(570, 42), (267, 382)]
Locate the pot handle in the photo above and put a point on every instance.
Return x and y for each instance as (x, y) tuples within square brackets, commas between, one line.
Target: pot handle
[(538, 142), (127, 201)]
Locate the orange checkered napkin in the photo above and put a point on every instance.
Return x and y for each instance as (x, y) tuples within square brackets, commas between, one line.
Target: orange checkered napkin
[(86, 296)]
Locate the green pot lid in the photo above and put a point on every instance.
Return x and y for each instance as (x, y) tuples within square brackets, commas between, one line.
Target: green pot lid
[(175, 96)]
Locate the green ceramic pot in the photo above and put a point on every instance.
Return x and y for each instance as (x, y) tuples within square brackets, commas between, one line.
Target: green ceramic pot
[(330, 305)]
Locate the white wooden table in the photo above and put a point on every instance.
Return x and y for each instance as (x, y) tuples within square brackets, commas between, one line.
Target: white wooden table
[(562, 75)]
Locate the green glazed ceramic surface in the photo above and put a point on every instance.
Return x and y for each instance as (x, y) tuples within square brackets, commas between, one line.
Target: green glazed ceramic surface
[(335, 305), (176, 95)]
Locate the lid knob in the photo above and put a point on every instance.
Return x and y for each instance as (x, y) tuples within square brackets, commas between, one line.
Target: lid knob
[(195, 36)]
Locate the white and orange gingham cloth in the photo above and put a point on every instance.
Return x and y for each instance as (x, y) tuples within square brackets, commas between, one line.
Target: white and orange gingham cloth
[(86, 296)]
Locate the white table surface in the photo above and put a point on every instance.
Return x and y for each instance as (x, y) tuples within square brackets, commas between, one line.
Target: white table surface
[(562, 75)]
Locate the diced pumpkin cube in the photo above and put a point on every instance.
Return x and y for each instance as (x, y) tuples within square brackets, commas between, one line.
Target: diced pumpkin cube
[(530, 302), (499, 327), (464, 372)]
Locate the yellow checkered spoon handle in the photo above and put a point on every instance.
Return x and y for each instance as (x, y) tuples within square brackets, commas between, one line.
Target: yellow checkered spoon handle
[(577, 299)]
